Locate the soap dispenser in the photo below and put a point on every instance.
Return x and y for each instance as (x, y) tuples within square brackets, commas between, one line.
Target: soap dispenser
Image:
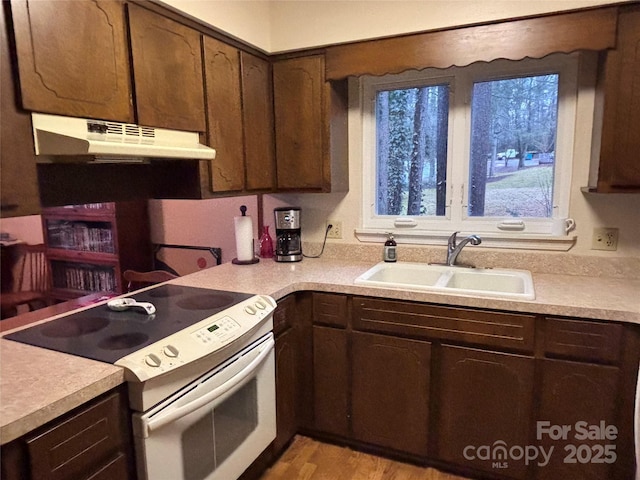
[(390, 249)]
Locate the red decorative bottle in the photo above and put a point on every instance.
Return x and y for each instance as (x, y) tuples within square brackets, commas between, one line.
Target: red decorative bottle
[(266, 243)]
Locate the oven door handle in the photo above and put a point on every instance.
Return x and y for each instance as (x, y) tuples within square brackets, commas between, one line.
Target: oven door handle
[(235, 382)]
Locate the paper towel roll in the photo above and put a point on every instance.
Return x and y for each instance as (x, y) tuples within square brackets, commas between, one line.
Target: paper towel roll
[(244, 238)]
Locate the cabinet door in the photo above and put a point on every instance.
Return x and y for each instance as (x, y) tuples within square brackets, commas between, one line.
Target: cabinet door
[(73, 58), (19, 180), (619, 166), (287, 362), (167, 72), (298, 97), (330, 380), (576, 392), (390, 396), (483, 398), (257, 115), (224, 114)]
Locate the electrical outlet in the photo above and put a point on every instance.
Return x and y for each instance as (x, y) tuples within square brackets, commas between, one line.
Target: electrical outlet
[(336, 229), (605, 239)]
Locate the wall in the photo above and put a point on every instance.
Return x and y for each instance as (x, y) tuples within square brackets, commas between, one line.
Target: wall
[(28, 229), (201, 223)]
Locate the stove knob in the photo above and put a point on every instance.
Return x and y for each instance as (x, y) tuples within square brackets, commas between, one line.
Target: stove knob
[(260, 305), (152, 360), (250, 310), (170, 351)]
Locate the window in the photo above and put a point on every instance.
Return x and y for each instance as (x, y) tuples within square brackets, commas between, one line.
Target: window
[(485, 148)]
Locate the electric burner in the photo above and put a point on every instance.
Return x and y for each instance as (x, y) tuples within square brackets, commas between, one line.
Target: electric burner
[(105, 335)]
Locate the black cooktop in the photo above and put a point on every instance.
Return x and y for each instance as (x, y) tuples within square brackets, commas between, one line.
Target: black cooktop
[(102, 334)]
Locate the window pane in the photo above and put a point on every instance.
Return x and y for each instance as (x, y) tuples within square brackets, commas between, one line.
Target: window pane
[(513, 138), (411, 136)]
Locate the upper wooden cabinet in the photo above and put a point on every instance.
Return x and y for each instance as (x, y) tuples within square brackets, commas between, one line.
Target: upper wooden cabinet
[(224, 112), (19, 180), (310, 125), (257, 120), (167, 72), (619, 167), (73, 59)]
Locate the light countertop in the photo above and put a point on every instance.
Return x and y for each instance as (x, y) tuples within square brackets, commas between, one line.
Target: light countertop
[(39, 385)]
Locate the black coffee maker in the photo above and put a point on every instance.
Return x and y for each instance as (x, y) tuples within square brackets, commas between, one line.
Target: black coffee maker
[(288, 239)]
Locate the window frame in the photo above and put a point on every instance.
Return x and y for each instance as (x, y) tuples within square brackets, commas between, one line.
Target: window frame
[(461, 80)]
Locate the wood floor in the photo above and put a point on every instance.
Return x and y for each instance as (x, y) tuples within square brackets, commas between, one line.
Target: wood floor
[(307, 459)]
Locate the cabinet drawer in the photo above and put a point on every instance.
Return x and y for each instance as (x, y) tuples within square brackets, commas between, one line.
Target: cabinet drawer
[(496, 329), (330, 309), (596, 341), (76, 446)]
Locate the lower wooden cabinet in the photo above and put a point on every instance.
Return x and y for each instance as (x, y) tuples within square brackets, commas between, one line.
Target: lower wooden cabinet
[(287, 373), (93, 442), (390, 392), (330, 380), (438, 384), (484, 399), (577, 395)]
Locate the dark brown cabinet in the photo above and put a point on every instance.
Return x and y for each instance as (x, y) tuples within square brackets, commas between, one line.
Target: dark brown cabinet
[(619, 168), (19, 193), (257, 121), (287, 372), (89, 246), (90, 443), (310, 125), (167, 72), (67, 70), (390, 392), (483, 397), (572, 393), (224, 113), (240, 118), (330, 380)]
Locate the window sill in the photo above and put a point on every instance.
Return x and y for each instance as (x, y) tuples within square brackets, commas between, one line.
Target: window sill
[(489, 240)]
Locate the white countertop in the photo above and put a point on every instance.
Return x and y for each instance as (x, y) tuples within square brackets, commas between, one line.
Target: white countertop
[(38, 385)]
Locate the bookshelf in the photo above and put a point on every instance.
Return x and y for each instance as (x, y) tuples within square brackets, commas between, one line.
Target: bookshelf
[(90, 245)]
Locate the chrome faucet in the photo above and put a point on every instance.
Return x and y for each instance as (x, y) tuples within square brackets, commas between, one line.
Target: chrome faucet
[(453, 249)]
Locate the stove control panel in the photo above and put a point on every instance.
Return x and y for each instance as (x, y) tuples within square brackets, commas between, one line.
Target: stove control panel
[(199, 340)]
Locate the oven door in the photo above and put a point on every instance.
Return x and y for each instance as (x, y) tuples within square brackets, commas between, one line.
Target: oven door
[(214, 428)]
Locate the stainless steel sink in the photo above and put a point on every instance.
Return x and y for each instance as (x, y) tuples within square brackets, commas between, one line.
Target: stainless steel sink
[(501, 283)]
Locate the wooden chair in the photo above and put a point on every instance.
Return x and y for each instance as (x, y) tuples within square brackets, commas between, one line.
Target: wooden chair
[(136, 280), (31, 283)]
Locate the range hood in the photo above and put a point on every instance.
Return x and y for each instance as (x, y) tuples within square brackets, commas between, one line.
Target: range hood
[(108, 141)]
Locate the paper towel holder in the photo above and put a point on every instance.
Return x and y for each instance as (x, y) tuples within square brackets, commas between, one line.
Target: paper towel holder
[(235, 261)]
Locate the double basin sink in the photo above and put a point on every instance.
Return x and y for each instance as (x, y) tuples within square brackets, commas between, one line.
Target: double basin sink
[(487, 282)]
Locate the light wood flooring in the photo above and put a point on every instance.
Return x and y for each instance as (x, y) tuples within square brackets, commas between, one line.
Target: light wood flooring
[(308, 459)]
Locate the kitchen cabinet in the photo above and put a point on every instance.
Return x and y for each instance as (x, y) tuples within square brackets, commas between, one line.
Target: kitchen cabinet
[(483, 397), (167, 72), (224, 113), (310, 125), (287, 372), (426, 381), (19, 193), (390, 392), (330, 364), (257, 121), (89, 246), (66, 70), (618, 169), (92, 442), (240, 118)]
